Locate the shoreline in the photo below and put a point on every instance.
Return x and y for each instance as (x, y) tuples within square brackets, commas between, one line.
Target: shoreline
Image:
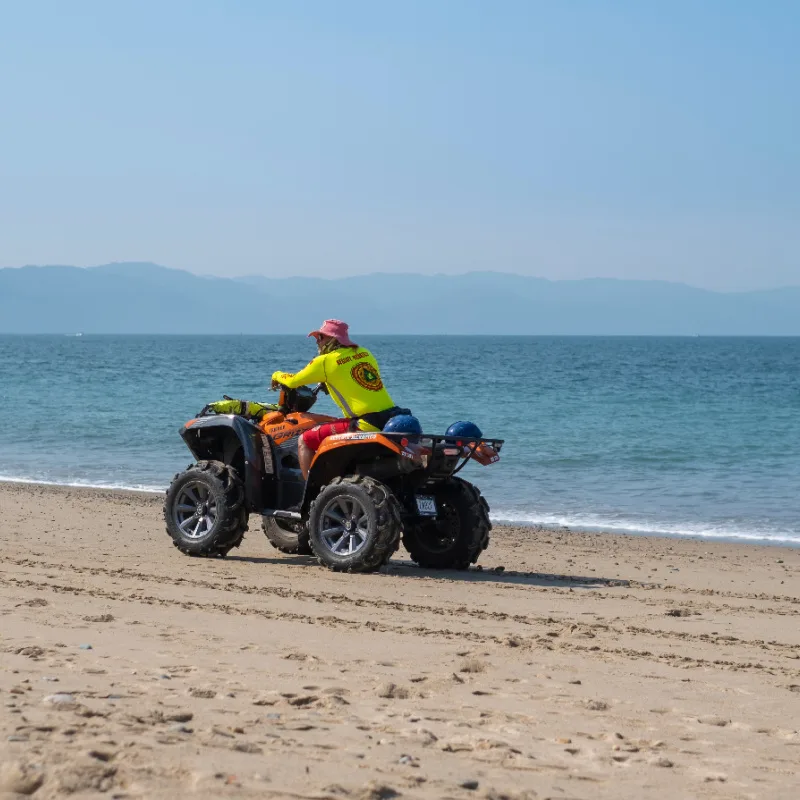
[(498, 525)]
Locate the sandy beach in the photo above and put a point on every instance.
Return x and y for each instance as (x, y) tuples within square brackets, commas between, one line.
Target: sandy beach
[(572, 665)]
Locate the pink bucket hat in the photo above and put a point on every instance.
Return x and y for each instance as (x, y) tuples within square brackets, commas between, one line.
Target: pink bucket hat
[(337, 329)]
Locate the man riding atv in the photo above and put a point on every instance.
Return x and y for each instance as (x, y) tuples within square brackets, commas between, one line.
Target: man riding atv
[(347, 498), (352, 378)]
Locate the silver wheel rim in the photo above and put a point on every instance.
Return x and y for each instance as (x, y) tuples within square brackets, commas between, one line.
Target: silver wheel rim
[(344, 522), (195, 510)]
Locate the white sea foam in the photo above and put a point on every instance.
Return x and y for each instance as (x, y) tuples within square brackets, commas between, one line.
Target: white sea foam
[(683, 530), (84, 484)]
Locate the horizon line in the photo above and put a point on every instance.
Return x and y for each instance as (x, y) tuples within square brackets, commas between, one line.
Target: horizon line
[(74, 334)]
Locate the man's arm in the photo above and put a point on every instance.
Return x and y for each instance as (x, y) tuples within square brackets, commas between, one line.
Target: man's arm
[(313, 373)]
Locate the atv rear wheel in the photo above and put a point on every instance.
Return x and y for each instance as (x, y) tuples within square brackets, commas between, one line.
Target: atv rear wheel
[(204, 509), (286, 535), (354, 524), (455, 538)]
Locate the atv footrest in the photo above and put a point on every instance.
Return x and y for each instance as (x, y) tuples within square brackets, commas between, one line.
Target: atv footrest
[(280, 514)]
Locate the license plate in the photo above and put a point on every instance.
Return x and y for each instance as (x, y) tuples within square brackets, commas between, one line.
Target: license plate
[(426, 505)]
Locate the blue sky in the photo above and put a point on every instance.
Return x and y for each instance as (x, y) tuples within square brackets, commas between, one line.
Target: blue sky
[(573, 139)]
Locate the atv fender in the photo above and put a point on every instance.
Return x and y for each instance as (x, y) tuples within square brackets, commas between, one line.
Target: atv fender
[(340, 455), (236, 441)]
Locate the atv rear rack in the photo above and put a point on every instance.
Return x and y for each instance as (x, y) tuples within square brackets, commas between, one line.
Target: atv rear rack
[(464, 446), (428, 439)]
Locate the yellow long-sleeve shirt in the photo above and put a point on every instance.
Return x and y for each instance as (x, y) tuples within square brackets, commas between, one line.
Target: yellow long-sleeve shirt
[(353, 380)]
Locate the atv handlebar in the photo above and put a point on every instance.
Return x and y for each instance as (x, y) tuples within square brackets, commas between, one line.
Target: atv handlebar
[(320, 387)]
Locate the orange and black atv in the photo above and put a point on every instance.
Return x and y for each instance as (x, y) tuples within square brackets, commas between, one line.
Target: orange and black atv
[(364, 490)]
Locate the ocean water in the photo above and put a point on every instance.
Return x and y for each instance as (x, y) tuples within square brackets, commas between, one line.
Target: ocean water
[(675, 436)]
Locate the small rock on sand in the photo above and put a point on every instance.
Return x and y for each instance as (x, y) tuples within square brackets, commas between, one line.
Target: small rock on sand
[(179, 716), (101, 755), (303, 700), (662, 762), (248, 747), (720, 722), (59, 699), (393, 692)]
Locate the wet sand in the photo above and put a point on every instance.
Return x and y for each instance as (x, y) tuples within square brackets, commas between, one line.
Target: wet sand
[(572, 665)]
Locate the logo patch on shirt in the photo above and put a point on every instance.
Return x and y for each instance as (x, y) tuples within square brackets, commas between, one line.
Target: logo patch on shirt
[(367, 377)]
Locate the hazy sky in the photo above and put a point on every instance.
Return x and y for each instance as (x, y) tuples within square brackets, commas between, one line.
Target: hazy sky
[(561, 139)]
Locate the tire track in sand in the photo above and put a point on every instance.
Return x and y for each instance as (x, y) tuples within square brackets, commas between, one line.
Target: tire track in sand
[(531, 642)]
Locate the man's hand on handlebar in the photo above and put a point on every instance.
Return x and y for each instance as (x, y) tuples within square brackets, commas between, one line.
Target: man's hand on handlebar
[(320, 387)]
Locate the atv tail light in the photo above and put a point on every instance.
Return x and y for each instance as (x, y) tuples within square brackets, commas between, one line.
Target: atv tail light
[(485, 455)]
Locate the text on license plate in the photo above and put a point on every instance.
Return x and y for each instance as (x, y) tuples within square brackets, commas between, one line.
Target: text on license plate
[(426, 505)]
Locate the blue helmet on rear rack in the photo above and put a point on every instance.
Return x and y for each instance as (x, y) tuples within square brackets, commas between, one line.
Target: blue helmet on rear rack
[(464, 429), (403, 423)]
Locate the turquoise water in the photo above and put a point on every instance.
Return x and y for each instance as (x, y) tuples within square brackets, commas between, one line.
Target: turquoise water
[(683, 436)]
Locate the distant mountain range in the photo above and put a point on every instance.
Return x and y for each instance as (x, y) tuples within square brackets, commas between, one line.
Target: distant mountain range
[(147, 298)]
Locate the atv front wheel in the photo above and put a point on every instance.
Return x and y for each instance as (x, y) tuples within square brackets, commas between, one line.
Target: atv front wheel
[(204, 509), (286, 535), (455, 538), (354, 524)]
